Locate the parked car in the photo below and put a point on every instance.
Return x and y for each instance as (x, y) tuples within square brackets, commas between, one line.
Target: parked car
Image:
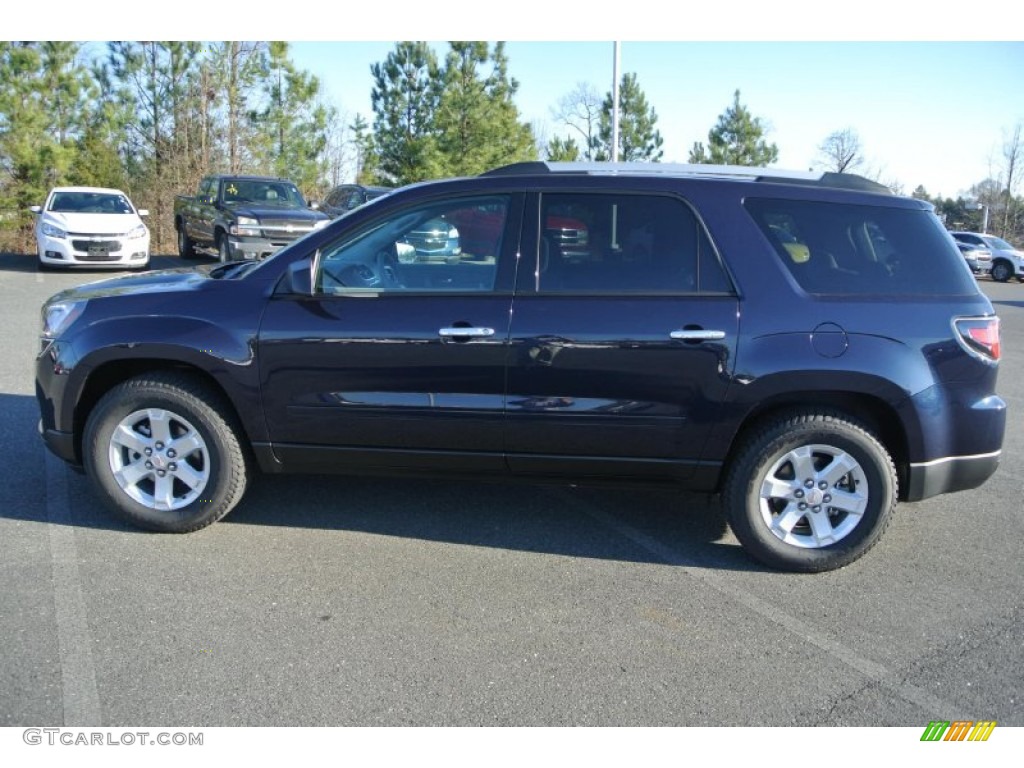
[(347, 197), (432, 240), (1007, 261), (979, 259), (242, 217), (90, 227), (693, 347)]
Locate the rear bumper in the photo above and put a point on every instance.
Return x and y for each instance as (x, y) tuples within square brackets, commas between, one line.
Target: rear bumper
[(948, 474)]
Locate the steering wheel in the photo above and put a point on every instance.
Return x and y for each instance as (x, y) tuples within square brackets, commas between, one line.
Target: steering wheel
[(349, 276), (387, 268)]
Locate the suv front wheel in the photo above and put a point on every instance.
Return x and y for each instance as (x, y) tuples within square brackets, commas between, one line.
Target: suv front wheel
[(160, 453), (811, 491), (1001, 271)]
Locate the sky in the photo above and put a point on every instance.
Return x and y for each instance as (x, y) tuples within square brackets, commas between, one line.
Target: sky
[(929, 113), (928, 87)]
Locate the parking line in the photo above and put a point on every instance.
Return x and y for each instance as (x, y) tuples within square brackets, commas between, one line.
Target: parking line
[(81, 700), (840, 652)]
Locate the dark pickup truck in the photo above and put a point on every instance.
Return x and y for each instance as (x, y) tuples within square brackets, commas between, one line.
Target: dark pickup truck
[(242, 217)]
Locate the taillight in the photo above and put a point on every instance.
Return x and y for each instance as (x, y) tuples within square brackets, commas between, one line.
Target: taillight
[(979, 336)]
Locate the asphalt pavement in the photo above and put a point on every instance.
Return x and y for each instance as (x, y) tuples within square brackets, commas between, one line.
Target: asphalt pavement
[(359, 601)]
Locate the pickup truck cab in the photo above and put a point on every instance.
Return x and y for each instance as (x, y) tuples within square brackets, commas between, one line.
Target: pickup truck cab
[(242, 217)]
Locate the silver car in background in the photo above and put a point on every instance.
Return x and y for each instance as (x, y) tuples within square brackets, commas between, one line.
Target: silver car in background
[(1007, 261)]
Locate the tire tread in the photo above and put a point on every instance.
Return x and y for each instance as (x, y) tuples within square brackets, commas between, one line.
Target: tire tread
[(735, 490), (220, 420)]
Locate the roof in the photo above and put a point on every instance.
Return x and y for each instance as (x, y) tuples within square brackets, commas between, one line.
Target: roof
[(95, 190), (247, 177), (730, 172)]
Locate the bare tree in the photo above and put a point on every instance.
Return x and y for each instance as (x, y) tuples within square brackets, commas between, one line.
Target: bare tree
[(1013, 153), (841, 152), (580, 110), (340, 152)]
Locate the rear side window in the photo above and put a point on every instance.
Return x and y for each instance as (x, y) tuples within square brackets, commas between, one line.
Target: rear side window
[(607, 243), (833, 248)]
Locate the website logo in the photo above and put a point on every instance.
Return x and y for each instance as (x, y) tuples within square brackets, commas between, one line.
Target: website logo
[(958, 730)]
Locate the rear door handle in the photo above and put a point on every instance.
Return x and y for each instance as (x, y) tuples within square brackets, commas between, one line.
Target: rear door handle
[(478, 333), (697, 335)]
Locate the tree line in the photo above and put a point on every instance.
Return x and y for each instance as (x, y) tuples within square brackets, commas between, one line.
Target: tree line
[(154, 117)]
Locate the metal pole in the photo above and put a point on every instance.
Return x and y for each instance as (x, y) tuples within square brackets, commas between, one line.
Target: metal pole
[(615, 105), (984, 219)]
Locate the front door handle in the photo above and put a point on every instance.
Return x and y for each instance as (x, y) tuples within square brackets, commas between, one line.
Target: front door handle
[(697, 335), (477, 333)]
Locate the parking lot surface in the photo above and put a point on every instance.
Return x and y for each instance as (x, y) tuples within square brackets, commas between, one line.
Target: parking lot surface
[(360, 601)]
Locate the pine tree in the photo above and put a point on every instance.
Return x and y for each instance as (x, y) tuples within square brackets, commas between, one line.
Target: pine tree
[(293, 126), (236, 70), (477, 123), (164, 143), (44, 94), (639, 140), (737, 139), (404, 98), (366, 157), (563, 150)]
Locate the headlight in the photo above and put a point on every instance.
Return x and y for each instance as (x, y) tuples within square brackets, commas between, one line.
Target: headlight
[(59, 315), (51, 231), (137, 232), (246, 226)]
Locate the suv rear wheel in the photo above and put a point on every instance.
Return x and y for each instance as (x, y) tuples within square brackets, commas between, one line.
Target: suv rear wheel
[(159, 451), (810, 491)]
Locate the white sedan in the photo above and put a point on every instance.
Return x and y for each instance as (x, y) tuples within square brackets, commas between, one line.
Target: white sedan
[(91, 227)]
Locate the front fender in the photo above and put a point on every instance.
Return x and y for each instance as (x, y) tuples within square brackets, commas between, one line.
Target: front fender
[(122, 345)]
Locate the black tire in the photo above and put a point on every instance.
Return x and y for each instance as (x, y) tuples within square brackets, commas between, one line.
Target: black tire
[(138, 413), (223, 249), (186, 248), (1001, 271), (767, 517)]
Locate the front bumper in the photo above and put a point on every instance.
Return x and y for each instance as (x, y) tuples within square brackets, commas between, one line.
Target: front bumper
[(91, 251), (252, 248), (60, 444)]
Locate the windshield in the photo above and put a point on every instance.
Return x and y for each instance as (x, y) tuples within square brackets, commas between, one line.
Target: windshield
[(998, 243), (268, 192), (90, 202)]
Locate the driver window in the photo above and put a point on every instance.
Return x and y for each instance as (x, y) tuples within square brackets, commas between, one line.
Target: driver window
[(449, 246)]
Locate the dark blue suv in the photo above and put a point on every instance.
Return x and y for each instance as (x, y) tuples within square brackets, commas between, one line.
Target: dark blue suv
[(808, 345)]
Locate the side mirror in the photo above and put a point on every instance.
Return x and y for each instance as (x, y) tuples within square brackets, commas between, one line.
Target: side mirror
[(36, 208), (314, 205), (143, 212), (299, 279)]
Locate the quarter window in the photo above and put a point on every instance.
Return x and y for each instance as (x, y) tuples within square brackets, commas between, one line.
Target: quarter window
[(442, 246), (832, 248)]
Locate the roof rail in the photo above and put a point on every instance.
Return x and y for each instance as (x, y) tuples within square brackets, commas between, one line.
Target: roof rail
[(739, 172)]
